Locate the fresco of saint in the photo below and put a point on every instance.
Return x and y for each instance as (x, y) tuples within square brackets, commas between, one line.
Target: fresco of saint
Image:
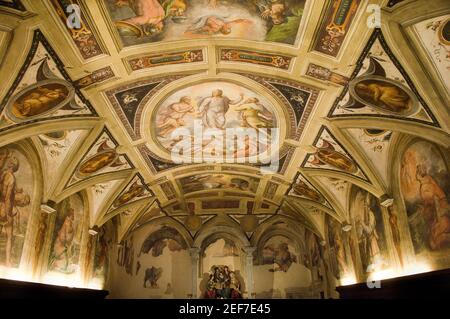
[(143, 21), (214, 108), (370, 231), (65, 248), (101, 257), (425, 187), (327, 154), (14, 204), (337, 247)]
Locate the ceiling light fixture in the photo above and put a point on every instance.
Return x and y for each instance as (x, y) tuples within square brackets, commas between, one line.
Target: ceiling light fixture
[(48, 207), (347, 227), (386, 201), (94, 230)]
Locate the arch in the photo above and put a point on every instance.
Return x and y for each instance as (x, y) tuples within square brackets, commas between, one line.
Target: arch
[(273, 231), (304, 218), (32, 193), (163, 221), (46, 126), (208, 241), (213, 238), (272, 223), (321, 207), (414, 237), (234, 232), (428, 132), (347, 178)]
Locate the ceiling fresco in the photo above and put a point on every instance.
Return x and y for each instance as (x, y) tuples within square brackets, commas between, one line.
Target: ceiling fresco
[(380, 87), (144, 21), (303, 189), (329, 154), (338, 188), (109, 118), (102, 192), (101, 158), (42, 89), (203, 182), (57, 146), (135, 190), (434, 35), (197, 106), (129, 101), (375, 144)]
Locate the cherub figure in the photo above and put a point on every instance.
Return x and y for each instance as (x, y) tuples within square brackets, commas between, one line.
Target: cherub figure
[(172, 118)]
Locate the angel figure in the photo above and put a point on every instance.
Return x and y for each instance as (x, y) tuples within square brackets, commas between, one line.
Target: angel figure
[(254, 114), (172, 117), (213, 25)]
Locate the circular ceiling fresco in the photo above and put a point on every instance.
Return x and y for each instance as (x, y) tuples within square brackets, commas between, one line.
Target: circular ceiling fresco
[(215, 119)]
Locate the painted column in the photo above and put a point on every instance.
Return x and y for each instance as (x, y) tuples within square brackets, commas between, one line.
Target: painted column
[(249, 270), (195, 256)]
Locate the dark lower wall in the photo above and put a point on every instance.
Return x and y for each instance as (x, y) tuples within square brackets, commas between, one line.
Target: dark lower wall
[(432, 285), (25, 290)]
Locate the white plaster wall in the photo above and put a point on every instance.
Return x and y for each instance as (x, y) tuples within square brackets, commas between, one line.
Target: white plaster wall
[(298, 276)]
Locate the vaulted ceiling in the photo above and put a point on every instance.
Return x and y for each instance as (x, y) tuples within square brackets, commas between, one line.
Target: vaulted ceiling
[(314, 67)]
